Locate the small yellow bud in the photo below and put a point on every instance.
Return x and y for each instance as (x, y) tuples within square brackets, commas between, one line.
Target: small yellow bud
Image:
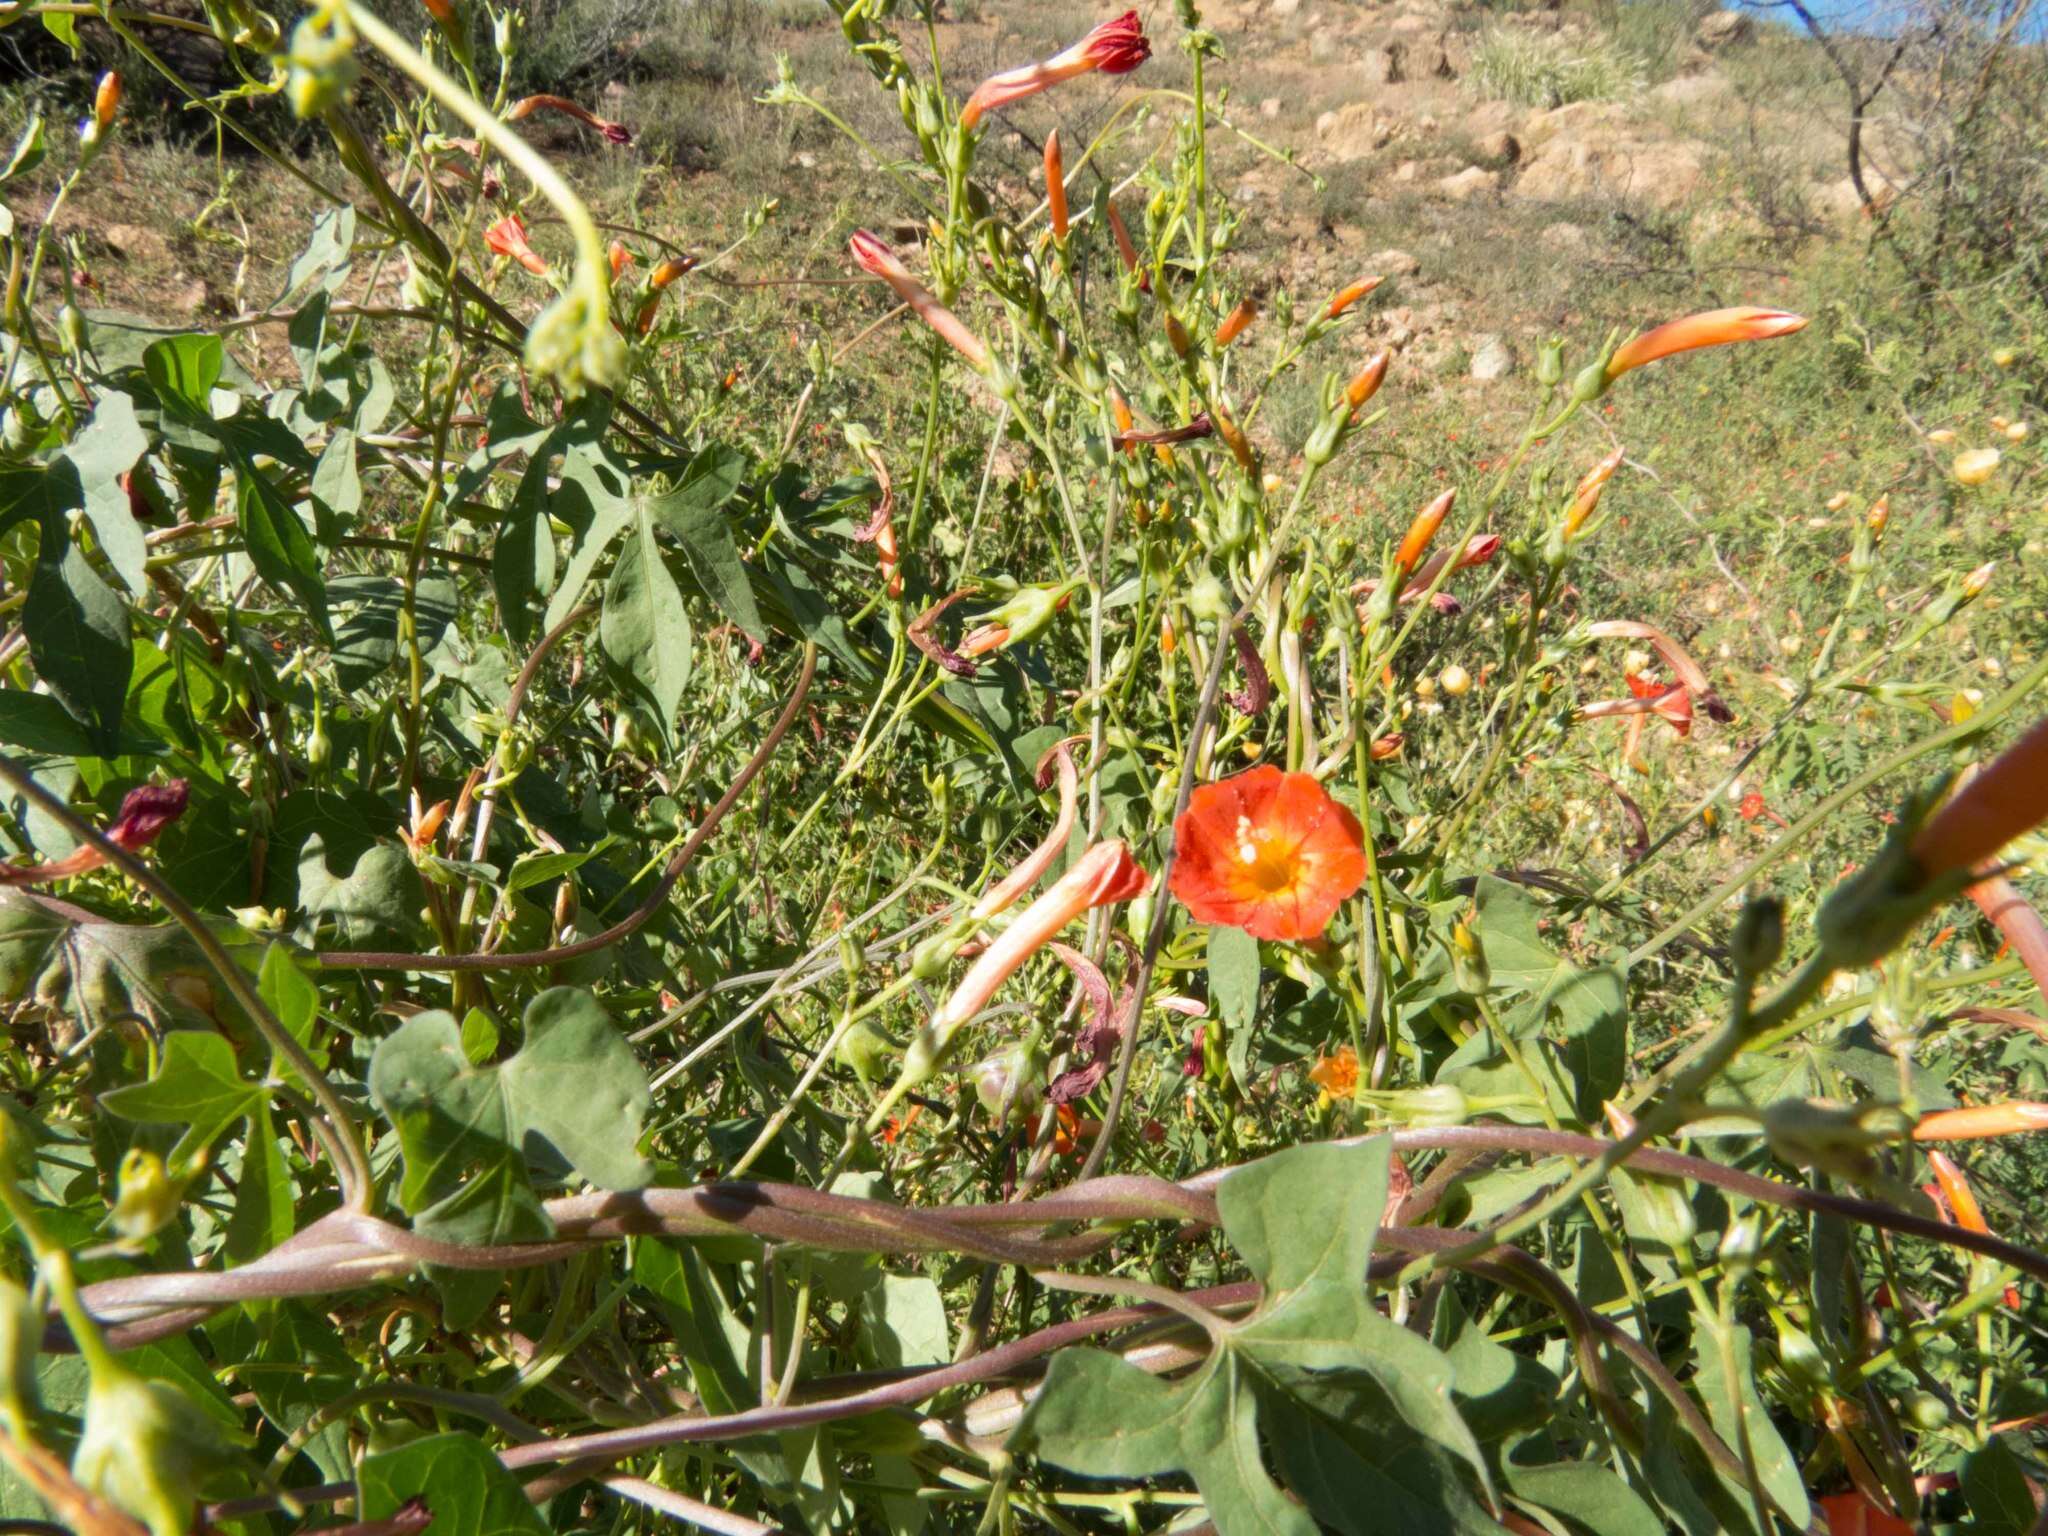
[(1975, 465), (1455, 679), (1941, 437)]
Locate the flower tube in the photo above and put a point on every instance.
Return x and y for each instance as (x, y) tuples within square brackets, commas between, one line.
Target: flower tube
[(1981, 1122), (1587, 496), (2005, 798), (877, 260), (145, 811), (1114, 48), (1234, 323), (1676, 657), (1105, 873), (614, 133), (1712, 328)]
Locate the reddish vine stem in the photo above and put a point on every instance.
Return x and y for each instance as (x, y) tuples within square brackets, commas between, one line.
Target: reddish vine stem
[(390, 960)]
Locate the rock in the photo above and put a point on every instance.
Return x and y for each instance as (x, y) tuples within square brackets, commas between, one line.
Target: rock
[(1392, 263), (1388, 65), (134, 242), (1569, 168), (1724, 29), (1491, 359), (190, 296), (1498, 149), (1407, 171), (1285, 8), (1463, 186), (1270, 107), (1324, 46), (1691, 90), (1352, 132)]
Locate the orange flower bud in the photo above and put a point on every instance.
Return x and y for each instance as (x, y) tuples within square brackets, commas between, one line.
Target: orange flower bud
[(2008, 797), (1713, 328), (1240, 446), (1387, 746), (668, 271), (106, 101), (1587, 497), (1124, 248), (1349, 295), (1168, 643), (620, 257), (1177, 335), (1056, 185), (1233, 325), (1421, 531), (1981, 1121), (1366, 382), (1879, 514)]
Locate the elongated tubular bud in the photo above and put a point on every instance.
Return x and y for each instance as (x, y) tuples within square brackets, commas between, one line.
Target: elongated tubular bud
[(1712, 328), (1056, 185), (1421, 531), (1124, 248), (1349, 295), (1981, 1121)]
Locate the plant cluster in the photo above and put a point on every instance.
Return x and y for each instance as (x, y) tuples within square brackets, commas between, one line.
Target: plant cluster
[(586, 949)]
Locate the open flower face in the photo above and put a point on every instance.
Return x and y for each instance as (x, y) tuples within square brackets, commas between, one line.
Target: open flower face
[(1268, 852)]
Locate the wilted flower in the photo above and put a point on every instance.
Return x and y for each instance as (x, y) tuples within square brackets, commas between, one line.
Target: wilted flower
[(877, 260), (1974, 466), (507, 237), (145, 811), (1713, 328), (1336, 1074), (1115, 48), (1268, 852), (614, 133)]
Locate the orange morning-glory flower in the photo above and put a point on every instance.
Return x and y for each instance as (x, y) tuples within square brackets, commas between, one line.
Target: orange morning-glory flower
[(1268, 852), (507, 237)]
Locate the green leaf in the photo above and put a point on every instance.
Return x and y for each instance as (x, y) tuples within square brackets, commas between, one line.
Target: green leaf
[(1736, 1406), (644, 629), (279, 546), (263, 1216), (38, 723), (1304, 1221), (77, 628), (289, 992), (184, 369), (692, 514), (103, 452), (198, 1085), (337, 485), (592, 500), (28, 153), (465, 1488), (531, 869), (1233, 976), (450, 1114), (366, 641), (1995, 1487), (1344, 1448), (1589, 1496)]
